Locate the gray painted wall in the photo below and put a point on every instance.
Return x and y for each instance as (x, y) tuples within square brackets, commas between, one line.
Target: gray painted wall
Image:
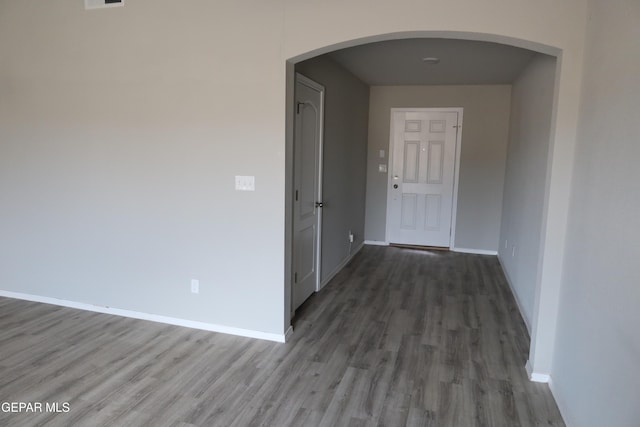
[(525, 180), (345, 151), (482, 163), (118, 151), (595, 370)]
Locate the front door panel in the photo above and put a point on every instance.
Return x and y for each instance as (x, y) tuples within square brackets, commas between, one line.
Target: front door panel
[(422, 177)]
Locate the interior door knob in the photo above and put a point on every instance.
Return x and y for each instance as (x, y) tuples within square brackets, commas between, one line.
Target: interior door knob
[(319, 204), (395, 185)]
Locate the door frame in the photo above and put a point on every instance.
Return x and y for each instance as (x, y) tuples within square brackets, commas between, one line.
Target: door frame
[(456, 168), (320, 88)]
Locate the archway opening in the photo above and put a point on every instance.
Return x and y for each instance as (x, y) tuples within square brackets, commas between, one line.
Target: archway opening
[(507, 88)]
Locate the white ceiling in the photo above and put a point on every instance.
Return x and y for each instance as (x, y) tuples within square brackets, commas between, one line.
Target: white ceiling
[(399, 62)]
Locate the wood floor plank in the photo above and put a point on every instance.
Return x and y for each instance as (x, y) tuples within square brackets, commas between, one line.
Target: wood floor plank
[(398, 337)]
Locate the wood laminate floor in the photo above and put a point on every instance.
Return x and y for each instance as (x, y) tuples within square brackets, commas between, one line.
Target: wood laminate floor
[(399, 337)]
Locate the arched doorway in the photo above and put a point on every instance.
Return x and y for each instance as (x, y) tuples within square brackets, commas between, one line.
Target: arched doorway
[(535, 271)]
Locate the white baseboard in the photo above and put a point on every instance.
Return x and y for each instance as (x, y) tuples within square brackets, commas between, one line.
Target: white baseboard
[(341, 266), (539, 378), (536, 377), (152, 317), (376, 243), (474, 251), (515, 295)]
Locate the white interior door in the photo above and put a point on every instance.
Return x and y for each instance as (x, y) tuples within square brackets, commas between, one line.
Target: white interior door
[(422, 176), (307, 184)]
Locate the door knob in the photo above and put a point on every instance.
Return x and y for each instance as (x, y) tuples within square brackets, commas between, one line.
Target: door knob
[(319, 204), (395, 185)]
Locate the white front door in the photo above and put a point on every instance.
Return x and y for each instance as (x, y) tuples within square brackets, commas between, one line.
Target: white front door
[(307, 189), (422, 176)]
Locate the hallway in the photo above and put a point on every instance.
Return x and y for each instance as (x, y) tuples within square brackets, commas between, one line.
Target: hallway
[(430, 338)]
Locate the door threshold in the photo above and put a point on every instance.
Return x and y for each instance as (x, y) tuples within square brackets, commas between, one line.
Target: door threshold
[(420, 248)]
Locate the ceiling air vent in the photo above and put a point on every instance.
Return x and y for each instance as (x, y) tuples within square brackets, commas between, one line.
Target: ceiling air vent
[(98, 4)]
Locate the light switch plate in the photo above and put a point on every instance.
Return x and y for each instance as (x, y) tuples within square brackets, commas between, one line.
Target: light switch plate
[(382, 154), (382, 168), (245, 183)]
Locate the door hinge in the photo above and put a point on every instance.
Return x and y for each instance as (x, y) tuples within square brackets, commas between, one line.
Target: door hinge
[(296, 195), (457, 126), (295, 277), (298, 105)]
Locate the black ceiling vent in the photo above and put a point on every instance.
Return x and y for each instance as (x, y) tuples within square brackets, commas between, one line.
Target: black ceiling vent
[(98, 4)]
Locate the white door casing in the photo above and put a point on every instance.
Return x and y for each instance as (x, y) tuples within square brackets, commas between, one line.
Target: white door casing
[(307, 188), (424, 157)]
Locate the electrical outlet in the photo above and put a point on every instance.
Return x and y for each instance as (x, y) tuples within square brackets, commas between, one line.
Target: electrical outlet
[(350, 237), (506, 243), (245, 183), (195, 286), (513, 251)]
